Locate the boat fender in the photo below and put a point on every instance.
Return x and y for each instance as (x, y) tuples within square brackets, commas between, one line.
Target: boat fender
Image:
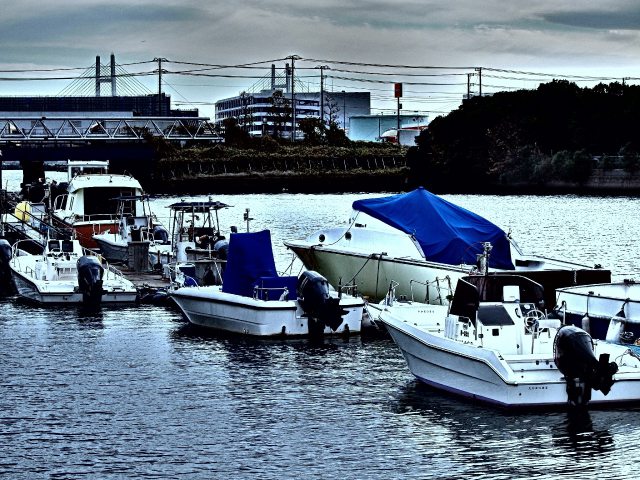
[(615, 330), (586, 324)]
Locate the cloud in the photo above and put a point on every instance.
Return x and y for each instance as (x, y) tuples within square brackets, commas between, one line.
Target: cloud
[(602, 20), (537, 35)]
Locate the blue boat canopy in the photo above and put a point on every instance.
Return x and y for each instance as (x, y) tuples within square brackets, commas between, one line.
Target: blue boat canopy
[(446, 232), (250, 264)]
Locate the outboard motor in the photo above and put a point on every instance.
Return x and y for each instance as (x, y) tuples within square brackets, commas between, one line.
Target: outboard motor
[(90, 280), (160, 234), (221, 247), (321, 309), (5, 271), (573, 355)]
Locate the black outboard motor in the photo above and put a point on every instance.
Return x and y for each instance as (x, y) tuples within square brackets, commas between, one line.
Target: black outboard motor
[(160, 234), (573, 355), (90, 280), (321, 309), (5, 271)]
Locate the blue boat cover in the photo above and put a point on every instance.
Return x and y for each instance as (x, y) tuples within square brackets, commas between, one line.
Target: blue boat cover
[(446, 232), (250, 257)]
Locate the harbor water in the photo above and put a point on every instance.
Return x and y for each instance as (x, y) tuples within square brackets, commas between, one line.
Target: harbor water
[(136, 392)]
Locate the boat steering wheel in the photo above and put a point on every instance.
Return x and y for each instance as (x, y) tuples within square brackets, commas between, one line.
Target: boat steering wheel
[(531, 320)]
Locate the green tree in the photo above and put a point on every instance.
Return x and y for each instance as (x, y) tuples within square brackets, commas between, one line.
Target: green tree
[(314, 130), (280, 113), (233, 133)]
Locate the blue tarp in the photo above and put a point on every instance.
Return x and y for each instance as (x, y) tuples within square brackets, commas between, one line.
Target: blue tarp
[(446, 232), (250, 257)]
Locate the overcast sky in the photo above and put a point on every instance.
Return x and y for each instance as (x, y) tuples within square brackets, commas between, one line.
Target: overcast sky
[(560, 37)]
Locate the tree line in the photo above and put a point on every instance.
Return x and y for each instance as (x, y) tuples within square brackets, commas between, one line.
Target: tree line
[(559, 131)]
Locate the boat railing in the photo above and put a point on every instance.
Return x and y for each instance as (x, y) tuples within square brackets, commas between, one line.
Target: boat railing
[(262, 293), (349, 289), (440, 284), (95, 217)]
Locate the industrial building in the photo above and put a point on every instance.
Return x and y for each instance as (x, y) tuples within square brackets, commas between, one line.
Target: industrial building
[(380, 128)]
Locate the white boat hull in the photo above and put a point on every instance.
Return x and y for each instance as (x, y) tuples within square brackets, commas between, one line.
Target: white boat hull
[(374, 273), (65, 293), (373, 260), (592, 307), (210, 307), (504, 380)]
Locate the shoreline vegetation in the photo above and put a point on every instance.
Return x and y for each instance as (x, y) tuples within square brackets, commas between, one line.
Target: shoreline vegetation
[(559, 138)]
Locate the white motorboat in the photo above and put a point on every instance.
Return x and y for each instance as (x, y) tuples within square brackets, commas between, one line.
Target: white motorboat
[(494, 344), (65, 273), (254, 300), (426, 244), (608, 311), (136, 224), (87, 205)]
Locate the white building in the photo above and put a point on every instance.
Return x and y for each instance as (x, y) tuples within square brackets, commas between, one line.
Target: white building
[(267, 108)]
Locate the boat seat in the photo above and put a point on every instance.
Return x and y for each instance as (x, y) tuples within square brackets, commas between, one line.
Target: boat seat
[(274, 287)]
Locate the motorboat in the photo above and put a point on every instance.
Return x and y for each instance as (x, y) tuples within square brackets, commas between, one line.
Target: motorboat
[(198, 247), (495, 344), (67, 273), (254, 300), (136, 223), (87, 204), (425, 244), (608, 311)]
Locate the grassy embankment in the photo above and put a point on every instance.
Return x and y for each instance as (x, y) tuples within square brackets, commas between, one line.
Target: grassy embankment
[(270, 167)]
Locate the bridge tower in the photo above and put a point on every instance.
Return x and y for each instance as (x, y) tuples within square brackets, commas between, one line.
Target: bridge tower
[(111, 78)]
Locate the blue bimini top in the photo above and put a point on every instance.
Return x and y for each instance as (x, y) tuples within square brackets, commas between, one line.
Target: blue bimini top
[(250, 258), (446, 232)]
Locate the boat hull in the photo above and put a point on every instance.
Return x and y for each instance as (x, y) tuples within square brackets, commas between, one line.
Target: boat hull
[(373, 273), (65, 293), (210, 307), (522, 381), (592, 307), (84, 231), (113, 252)]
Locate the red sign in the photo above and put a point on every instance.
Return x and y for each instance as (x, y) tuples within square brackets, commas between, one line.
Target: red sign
[(398, 90)]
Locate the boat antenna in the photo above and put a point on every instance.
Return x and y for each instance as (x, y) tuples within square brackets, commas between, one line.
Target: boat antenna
[(247, 218)]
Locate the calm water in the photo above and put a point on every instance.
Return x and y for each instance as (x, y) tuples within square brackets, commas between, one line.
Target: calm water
[(138, 393)]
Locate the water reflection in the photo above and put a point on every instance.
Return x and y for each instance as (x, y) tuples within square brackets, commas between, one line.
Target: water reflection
[(577, 434)]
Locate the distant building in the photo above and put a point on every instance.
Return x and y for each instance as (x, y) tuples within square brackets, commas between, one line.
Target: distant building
[(267, 108), (134, 106), (380, 128)]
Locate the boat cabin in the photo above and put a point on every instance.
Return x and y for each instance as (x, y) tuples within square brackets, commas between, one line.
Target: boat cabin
[(502, 312), (58, 261)]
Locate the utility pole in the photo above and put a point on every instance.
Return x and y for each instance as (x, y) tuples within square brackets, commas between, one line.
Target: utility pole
[(397, 92), (159, 60), (344, 112), (469, 85), (322, 67), (293, 98), (479, 70)]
